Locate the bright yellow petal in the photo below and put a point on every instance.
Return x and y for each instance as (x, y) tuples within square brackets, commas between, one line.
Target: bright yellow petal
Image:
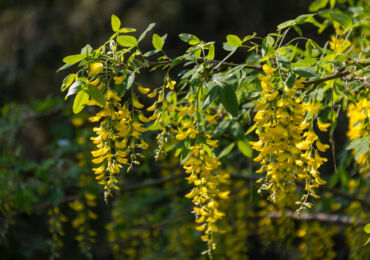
[(143, 90)]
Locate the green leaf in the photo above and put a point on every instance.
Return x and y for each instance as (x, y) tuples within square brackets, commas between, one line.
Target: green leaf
[(233, 40), (116, 23), (236, 129), (130, 80), (291, 80), (317, 5), (127, 41), (211, 96), (95, 94), (72, 59), (303, 18), (245, 148), (305, 72), (251, 129), (227, 47), (189, 38), (87, 49), (367, 228), (65, 66), (80, 101), (157, 42), (150, 27), (229, 100), (362, 145), (249, 37), (226, 150), (74, 88), (127, 30), (341, 18), (67, 82), (285, 24), (332, 4), (367, 242), (297, 29), (211, 52), (268, 42)]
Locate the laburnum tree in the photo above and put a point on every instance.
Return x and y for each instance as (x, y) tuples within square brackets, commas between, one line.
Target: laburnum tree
[(251, 140)]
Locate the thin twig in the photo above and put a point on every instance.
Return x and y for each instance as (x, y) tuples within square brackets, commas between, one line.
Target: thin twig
[(318, 216)]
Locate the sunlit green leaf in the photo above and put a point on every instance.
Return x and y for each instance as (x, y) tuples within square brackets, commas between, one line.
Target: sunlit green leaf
[(72, 59), (226, 150), (189, 38), (80, 101), (157, 42), (116, 23), (127, 41), (150, 27), (245, 148), (341, 18), (233, 40), (67, 81), (317, 5)]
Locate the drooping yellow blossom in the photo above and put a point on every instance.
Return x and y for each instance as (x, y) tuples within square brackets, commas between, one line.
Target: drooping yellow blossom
[(118, 135), (143, 90), (286, 139), (359, 127), (119, 79), (153, 94), (86, 235), (268, 70), (95, 82), (95, 68), (206, 194), (323, 126), (338, 44), (171, 84), (137, 104)]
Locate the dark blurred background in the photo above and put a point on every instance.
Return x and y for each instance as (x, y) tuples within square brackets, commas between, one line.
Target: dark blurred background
[(36, 35)]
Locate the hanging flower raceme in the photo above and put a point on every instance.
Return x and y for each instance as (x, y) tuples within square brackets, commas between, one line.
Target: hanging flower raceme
[(118, 137), (201, 166), (286, 139), (359, 127)]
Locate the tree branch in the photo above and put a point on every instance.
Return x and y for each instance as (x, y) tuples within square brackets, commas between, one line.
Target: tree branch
[(318, 216)]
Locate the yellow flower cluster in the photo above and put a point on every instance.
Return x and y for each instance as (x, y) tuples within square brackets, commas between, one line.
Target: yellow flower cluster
[(237, 226), (359, 126), (314, 244), (338, 44), (286, 138), (81, 222), (56, 230), (118, 138), (201, 166)]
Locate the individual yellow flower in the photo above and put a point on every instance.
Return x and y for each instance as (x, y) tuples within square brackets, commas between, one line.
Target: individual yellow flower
[(95, 68), (119, 79), (137, 104), (338, 43), (77, 121), (171, 84), (322, 126), (153, 94), (143, 90), (268, 70)]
